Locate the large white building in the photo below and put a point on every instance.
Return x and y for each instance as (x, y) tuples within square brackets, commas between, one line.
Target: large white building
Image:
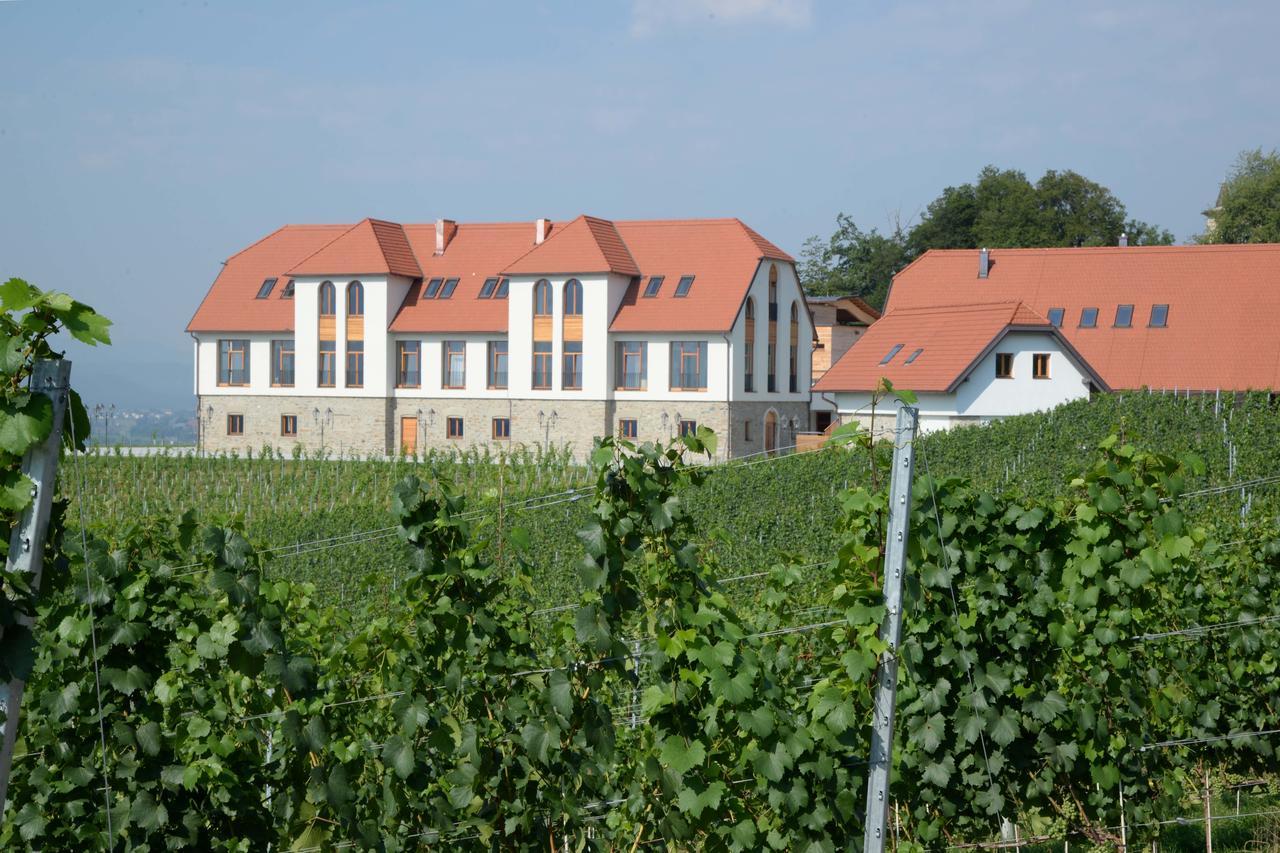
[(378, 338)]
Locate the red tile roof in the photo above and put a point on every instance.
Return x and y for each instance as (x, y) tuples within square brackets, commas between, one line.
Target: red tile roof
[(721, 254), (231, 304), (951, 338), (370, 247), (1223, 303), (585, 245)]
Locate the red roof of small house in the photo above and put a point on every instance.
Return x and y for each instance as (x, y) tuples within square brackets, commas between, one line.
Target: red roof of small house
[(1222, 301), (951, 340), (722, 255), (586, 245)]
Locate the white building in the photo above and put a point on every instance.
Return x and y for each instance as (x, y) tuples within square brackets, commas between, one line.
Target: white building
[(965, 363), (380, 337)]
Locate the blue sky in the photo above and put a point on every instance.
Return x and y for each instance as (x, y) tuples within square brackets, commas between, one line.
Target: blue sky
[(141, 143)]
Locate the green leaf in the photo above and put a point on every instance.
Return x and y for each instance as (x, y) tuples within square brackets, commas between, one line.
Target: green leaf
[(1135, 574), (398, 753), (23, 427), (198, 727), (560, 693), (1005, 728), (85, 325), (16, 295), (148, 736), (682, 757)]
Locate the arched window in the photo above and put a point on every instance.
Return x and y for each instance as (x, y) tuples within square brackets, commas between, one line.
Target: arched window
[(794, 341), (328, 299), (572, 298), (773, 292), (772, 385), (542, 298), (749, 351), (355, 299)]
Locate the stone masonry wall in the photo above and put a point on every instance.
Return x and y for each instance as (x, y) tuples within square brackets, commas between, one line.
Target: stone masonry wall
[(350, 425)]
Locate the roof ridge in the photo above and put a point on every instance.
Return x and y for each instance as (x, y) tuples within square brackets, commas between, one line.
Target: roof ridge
[(1184, 247), (327, 245)]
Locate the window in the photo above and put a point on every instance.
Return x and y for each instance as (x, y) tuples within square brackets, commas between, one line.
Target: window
[(573, 298), (682, 286), (1004, 365), (409, 364), (914, 356), (1159, 316), (793, 381), (453, 428), (355, 299), (433, 287), (326, 373), (655, 284), (328, 299), (542, 298), (265, 290), (689, 365), (501, 292), (453, 364), (1124, 316), (450, 285), (502, 429), (497, 373), (572, 357), (355, 364), (688, 427), (773, 293), (486, 289), (749, 351), (772, 354), (233, 362), (287, 293), (746, 430), (542, 364), (894, 351), (235, 424), (282, 363), (289, 425), (629, 363), (1055, 316), (627, 428), (1040, 365), (1088, 318)]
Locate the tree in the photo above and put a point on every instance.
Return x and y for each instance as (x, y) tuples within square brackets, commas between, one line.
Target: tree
[(853, 261), (1248, 208)]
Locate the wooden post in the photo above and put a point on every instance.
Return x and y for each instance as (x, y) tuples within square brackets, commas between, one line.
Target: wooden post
[(26, 545), (895, 561)]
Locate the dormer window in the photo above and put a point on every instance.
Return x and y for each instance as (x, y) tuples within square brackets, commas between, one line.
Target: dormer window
[(433, 287), (655, 284), (265, 290), (486, 289), (888, 358), (682, 287)]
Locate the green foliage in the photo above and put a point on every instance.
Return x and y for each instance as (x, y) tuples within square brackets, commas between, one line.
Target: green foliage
[(1248, 207)]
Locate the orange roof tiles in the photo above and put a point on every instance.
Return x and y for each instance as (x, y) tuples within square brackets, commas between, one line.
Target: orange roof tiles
[(951, 340), (585, 245), (721, 254), (1223, 301), (370, 247)]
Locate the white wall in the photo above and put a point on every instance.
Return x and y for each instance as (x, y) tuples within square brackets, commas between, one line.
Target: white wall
[(658, 366), (598, 295), (788, 292), (477, 377)]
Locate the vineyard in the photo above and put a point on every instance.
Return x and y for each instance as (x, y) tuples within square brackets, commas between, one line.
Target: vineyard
[(652, 652)]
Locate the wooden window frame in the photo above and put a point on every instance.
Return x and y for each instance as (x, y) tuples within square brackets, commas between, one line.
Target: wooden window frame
[(447, 354), (402, 350), (1040, 365), (772, 381), (329, 356), (679, 352), (235, 424), (285, 422), (571, 380), (356, 289), (746, 430), (793, 373), (491, 371), (622, 356), (573, 298), (686, 426), (327, 289), (455, 428), (624, 432), (358, 382), (541, 294), (749, 347), (278, 352), (503, 433), (1004, 359), (225, 370), (543, 366)]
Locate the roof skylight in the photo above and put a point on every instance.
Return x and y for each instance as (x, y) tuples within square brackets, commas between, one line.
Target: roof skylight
[(655, 284), (686, 282), (433, 287), (914, 356), (888, 358), (265, 290), (1088, 318), (486, 289), (287, 293), (450, 284), (1055, 316), (501, 292), (1159, 316), (1124, 316)]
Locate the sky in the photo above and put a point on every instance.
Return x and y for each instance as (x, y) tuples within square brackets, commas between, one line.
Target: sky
[(143, 143)]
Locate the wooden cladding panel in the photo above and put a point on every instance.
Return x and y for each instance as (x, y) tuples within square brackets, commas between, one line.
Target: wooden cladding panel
[(542, 328), (773, 332), (355, 328), (573, 328), (328, 329)]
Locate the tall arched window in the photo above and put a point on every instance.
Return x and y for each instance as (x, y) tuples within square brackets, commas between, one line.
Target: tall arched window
[(542, 355), (749, 351), (773, 328), (355, 299), (328, 299), (571, 336), (794, 341)]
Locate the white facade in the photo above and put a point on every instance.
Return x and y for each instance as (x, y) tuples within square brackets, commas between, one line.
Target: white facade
[(981, 396)]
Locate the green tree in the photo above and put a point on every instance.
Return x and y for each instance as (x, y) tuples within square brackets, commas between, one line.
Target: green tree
[(853, 261), (1248, 208)]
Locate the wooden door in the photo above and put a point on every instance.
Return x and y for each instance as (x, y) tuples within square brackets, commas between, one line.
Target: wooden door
[(771, 432), (408, 436)]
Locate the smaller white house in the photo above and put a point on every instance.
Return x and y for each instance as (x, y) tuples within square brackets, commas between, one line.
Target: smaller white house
[(966, 364)]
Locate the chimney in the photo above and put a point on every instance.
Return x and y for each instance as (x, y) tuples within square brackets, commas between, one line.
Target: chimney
[(445, 229), (544, 228), (984, 263), (1124, 239)]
